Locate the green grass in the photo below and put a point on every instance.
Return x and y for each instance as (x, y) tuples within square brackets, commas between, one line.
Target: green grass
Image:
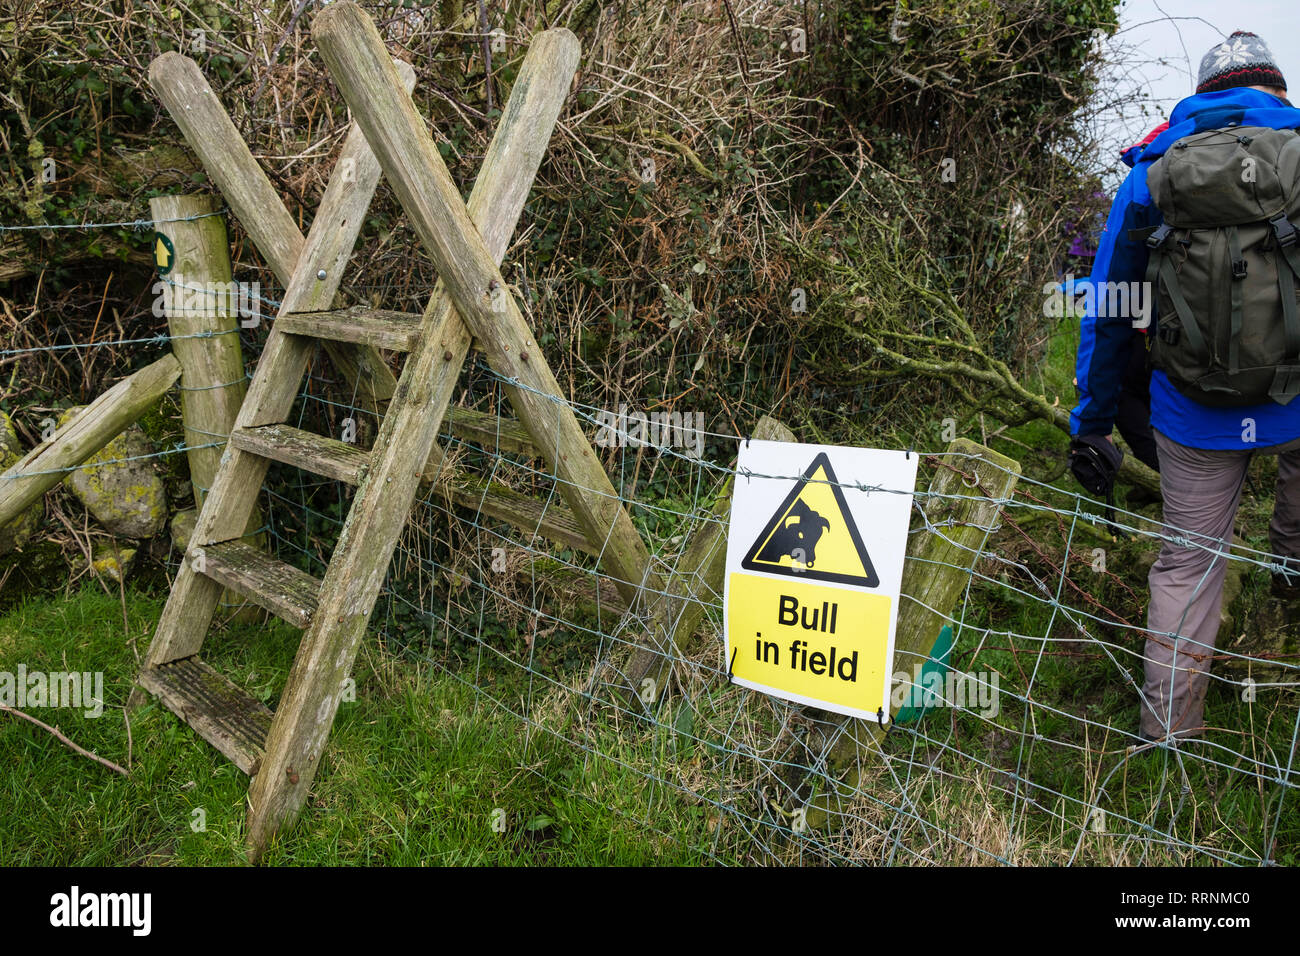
[(426, 760), (1217, 794), (433, 751), (415, 773)]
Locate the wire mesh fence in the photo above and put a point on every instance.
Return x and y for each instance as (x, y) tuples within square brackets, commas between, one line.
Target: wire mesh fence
[(1025, 751), (1028, 752)]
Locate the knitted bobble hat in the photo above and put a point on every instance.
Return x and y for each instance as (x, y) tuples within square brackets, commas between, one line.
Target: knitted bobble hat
[(1241, 60)]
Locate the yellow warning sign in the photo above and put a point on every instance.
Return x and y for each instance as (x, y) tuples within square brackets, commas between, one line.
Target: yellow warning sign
[(812, 641), (164, 253), (810, 610), (813, 535)]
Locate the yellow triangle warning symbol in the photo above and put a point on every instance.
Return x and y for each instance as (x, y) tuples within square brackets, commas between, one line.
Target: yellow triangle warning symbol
[(813, 535)]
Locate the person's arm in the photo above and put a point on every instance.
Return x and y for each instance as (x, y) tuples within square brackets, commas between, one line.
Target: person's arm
[(1104, 337)]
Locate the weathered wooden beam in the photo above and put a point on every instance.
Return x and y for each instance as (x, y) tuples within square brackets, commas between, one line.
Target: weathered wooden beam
[(494, 434), (303, 449), (282, 589), (197, 294), (363, 72), (574, 588), (188, 613), (964, 501), (378, 327), (201, 304), (551, 520), (90, 430), (696, 579), (199, 301), (384, 498), (227, 716), (194, 107)]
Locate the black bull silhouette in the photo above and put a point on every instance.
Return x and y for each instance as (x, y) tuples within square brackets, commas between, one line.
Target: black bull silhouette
[(797, 537)]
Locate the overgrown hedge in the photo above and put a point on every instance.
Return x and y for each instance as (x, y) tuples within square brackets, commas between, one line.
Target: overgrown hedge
[(793, 146)]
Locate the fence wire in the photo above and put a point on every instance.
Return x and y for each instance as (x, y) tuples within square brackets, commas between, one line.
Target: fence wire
[(1038, 761), (1044, 765)]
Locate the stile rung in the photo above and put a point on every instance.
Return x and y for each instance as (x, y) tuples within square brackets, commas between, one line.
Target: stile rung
[(492, 433), (315, 453), (281, 588), (225, 715), (382, 328), (551, 519)]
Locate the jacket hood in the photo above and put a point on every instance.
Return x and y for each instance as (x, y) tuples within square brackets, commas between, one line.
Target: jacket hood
[(1240, 106), (1131, 154)]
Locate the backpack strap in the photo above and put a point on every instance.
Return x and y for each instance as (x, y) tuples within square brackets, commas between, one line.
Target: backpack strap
[(1160, 268), (1238, 275), (1286, 382), (1286, 236)]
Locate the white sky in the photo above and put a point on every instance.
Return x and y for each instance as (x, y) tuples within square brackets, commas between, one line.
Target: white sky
[(1160, 43)]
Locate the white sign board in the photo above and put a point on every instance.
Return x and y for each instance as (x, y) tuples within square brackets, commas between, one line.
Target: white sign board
[(815, 554)]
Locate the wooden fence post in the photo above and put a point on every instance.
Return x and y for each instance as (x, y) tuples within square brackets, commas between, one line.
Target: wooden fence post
[(202, 305), (964, 501), (93, 427), (696, 578)]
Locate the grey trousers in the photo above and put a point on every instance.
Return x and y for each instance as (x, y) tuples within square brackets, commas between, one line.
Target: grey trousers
[(1201, 490)]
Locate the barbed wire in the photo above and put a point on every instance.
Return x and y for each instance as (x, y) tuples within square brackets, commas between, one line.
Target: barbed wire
[(178, 448), (139, 225)]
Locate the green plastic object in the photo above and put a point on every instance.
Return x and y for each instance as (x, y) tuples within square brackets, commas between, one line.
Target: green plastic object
[(914, 702)]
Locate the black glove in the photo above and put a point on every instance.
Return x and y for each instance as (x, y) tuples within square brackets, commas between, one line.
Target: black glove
[(1095, 461)]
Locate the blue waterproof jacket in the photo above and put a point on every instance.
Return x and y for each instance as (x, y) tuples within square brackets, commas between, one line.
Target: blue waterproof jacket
[(1122, 258)]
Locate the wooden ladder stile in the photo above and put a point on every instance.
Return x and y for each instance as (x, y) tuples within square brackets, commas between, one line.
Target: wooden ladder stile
[(282, 749)]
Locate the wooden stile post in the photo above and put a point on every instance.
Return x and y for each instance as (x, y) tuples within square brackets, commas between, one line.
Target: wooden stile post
[(202, 303), (963, 504), (360, 66)]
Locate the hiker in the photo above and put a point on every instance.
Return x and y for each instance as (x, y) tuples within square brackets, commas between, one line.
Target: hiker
[(1133, 404), (1190, 220), (1133, 418)]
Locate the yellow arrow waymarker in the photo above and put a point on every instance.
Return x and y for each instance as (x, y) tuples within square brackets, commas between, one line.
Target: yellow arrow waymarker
[(164, 254), (813, 535)]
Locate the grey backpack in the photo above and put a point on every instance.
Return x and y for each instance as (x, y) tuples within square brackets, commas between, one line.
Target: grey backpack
[(1223, 266)]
